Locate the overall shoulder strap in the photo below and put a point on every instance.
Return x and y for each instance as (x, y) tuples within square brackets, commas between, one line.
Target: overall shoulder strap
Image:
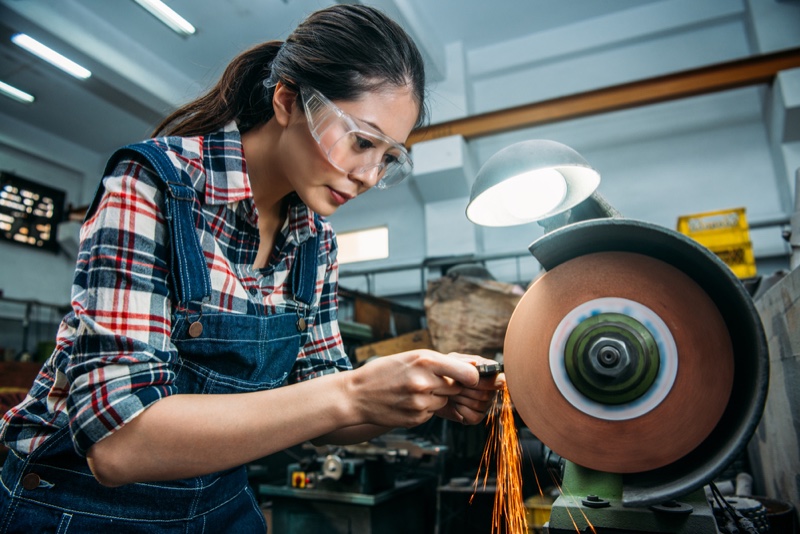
[(304, 272), (190, 275)]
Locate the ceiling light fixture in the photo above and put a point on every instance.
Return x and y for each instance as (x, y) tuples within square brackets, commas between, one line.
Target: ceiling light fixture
[(165, 14), (17, 94), (51, 56)]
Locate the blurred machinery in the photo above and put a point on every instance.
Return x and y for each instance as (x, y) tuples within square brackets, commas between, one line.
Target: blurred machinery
[(640, 360), (365, 488), (366, 468)]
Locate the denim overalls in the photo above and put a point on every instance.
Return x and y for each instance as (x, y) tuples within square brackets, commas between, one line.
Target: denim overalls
[(53, 489)]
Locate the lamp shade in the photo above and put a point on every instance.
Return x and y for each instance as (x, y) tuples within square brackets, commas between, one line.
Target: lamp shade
[(530, 181)]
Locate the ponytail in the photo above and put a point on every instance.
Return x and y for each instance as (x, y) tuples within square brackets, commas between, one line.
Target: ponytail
[(238, 95)]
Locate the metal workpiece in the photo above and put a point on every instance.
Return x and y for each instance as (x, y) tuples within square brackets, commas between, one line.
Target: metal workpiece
[(489, 369)]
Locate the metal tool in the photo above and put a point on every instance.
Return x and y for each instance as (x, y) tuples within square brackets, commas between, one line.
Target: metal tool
[(489, 369)]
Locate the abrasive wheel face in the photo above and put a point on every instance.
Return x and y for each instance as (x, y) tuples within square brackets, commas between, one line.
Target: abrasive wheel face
[(618, 362)]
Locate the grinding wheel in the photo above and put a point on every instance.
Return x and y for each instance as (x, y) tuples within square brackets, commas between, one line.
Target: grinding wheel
[(618, 362)]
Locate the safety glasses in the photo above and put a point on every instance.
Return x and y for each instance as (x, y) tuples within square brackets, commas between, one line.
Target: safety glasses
[(353, 147)]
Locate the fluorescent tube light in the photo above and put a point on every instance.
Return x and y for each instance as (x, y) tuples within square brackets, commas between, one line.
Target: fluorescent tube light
[(12, 92), (51, 56), (165, 14)]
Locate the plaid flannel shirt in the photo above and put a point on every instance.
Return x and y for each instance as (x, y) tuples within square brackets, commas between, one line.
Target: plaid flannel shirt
[(113, 354)]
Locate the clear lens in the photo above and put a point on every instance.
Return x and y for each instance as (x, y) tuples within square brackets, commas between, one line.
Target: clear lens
[(361, 153), (352, 148), (395, 174)]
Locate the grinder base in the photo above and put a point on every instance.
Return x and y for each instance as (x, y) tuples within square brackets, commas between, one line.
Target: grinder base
[(594, 498)]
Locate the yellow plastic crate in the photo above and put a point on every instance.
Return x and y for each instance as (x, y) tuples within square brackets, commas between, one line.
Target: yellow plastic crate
[(726, 234), (537, 512)]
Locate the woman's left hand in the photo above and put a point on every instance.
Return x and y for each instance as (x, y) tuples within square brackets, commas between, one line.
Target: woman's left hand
[(474, 401)]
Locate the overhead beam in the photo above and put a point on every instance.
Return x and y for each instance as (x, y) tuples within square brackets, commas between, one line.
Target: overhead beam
[(751, 71)]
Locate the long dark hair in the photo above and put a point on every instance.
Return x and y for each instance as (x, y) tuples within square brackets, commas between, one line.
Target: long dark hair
[(342, 51)]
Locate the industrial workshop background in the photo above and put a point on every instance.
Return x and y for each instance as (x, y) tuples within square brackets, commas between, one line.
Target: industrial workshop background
[(686, 108)]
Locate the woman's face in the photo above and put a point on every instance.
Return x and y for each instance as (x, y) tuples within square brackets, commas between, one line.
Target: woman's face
[(323, 184)]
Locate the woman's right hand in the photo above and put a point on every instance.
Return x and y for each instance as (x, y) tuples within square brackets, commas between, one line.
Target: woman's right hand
[(406, 389)]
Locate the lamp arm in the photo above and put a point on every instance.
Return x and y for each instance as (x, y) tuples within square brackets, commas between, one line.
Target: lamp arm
[(594, 207)]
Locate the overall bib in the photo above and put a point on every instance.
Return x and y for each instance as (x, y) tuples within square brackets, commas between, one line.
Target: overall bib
[(53, 490)]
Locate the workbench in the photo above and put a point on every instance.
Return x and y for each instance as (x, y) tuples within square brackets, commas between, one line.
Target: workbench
[(408, 507)]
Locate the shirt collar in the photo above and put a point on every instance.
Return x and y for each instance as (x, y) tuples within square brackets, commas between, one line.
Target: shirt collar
[(299, 224), (227, 182), (226, 171)]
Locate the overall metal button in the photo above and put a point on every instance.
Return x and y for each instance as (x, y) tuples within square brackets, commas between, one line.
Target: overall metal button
[(31, 481), (301, 325), (196, 329)]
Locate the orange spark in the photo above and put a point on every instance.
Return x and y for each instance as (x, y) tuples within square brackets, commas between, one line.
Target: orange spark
[(503, 445), (536, 476), (567, 500)]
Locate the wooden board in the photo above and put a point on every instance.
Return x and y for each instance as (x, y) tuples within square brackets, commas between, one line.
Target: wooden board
[(419, 339)]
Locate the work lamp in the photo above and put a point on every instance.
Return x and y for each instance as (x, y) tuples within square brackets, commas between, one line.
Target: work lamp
[(530, 181)]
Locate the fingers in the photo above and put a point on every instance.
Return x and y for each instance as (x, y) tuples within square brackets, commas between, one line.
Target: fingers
[(470, 403), (457, 366), (491, 383), (461, 369), (469, 416), (450, 412), (408, 388), (435, 405), (463, 413), (475, 400), (447, 388)]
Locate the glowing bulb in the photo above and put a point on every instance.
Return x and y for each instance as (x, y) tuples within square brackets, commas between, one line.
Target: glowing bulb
[(533, 193)]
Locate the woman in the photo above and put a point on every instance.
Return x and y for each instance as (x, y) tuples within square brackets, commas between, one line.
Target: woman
[(196, 296)]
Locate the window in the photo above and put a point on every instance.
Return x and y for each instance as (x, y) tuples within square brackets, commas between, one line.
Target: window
[(363, 245)]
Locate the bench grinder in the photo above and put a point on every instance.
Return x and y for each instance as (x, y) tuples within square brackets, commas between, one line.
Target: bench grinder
[(638, 357)]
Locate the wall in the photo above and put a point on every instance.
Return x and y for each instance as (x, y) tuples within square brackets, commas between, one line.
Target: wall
[(401, 210)]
